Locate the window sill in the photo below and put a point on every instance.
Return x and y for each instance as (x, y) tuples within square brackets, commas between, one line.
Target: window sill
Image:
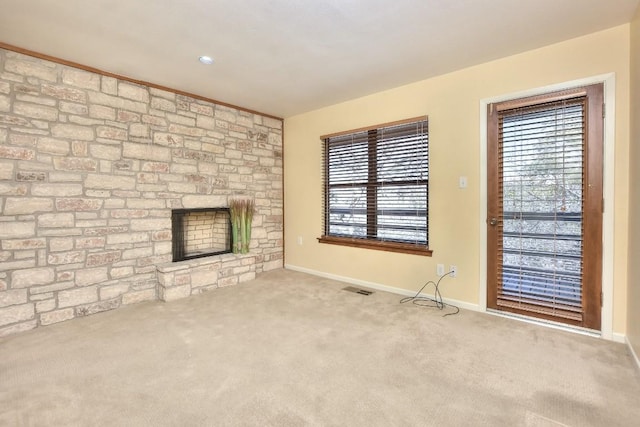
[(377, 245)]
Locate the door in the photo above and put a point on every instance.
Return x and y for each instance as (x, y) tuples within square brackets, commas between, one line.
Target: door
[(544, 218)]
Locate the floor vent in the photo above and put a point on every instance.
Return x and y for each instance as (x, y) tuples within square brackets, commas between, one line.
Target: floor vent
[(357, 290)]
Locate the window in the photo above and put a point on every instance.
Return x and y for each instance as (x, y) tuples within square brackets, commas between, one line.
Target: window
[(376, 187)]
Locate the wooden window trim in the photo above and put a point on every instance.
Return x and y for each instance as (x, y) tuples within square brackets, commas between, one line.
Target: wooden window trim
[(374, 127), (405, 248)]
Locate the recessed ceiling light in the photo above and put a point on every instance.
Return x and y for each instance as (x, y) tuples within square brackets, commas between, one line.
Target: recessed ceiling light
[(206, 60)]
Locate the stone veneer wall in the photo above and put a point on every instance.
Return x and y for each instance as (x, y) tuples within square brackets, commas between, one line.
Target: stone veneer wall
[(90, 168)]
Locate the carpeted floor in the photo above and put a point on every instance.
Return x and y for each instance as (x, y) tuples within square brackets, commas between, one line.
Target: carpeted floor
[(290, 349)]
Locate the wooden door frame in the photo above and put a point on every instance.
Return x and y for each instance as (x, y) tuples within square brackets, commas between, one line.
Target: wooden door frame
[(606, 328)]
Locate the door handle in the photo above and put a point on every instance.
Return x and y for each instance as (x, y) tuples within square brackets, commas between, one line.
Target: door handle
[(493, 221)]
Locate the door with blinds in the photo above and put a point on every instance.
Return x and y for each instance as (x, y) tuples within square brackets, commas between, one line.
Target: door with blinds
[(544, 218)]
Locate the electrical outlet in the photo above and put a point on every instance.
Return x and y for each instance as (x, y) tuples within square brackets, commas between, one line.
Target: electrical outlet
[(454, 270), (440, 270)]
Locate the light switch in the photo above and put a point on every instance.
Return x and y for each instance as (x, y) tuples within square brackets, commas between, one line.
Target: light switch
[(462, 182)]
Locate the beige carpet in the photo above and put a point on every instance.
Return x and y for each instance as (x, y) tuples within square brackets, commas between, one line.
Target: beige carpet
[(289, 349)]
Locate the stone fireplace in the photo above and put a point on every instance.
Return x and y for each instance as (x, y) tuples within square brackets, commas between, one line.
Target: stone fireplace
[(92, 170), (198, 233)]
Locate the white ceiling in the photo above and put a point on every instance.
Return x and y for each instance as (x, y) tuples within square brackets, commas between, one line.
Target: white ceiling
[(284, 57)]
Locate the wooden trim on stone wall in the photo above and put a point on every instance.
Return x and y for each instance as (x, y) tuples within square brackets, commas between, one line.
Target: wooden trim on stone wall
[(61, 61)]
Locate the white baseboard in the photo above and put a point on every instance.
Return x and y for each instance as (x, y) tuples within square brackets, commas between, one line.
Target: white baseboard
[(616, 337), (380, 287), (633, 353)]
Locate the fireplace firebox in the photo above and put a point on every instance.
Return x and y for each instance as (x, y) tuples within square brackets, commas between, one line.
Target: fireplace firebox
[(202, 232)]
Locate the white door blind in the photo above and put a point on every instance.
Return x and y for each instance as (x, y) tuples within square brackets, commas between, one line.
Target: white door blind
[(541, 174)]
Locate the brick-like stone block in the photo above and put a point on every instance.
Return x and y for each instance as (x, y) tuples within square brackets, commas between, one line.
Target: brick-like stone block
[(35, 111), (90, 242), (134, 92), (11, 189), (79, 296), (27, 205), (72, 131), (55, 220), (16, 153), (128, 117), (162, 248), (205, 277), (31, 68), (102, 112), (113, 291), (173, 293), (154, 120), (111, 133), (180, 279), (109, 85), (102, 151), (66, 258), (103, 231), (137, 253), (56, 190), (78, 205), (127, 238), (75, 164), (16, 313), (227, 116), (103, 258), (272, 265), (45, 305), (197, 201), (151, 224), (168, 139), (139, 296), (110, 182), (97, 307), (163, 104), (120, 272), (116, 102), (64, 93), (228, 281), (32, 277), (80, 78), (53, 146), (139, 130), (13, 297), (91, 276), (56, 316), (5, 103), (186, 130), (6, 170), (60, 244), (47, 289), (22, 244), (146, 152)]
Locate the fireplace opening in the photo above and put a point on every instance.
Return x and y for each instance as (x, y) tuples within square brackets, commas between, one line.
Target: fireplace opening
[(198, 233)]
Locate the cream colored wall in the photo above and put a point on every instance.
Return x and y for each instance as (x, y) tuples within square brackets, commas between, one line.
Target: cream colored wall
[(452, 103), (633, 300)]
